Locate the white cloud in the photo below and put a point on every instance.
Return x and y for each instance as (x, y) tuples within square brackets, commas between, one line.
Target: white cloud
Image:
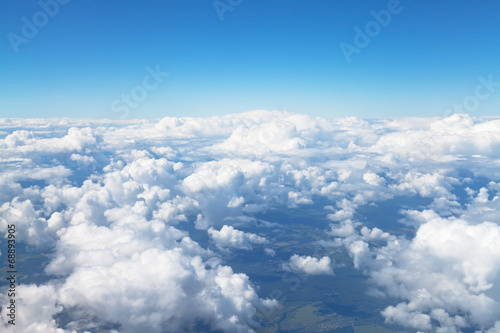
[(373, 179), (449, 272), (276, 136), (76, 139), (83, 159), (231, 237), (309, 265), (270, 252), (400, 314), (115, 201), (34, 310)]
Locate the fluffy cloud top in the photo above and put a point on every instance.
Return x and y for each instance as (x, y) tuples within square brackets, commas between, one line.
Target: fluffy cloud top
[(231, 237), (115, 203), (309, 265), (449, 272)]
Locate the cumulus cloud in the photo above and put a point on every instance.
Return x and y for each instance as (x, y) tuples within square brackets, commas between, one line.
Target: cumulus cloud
[(35, 310), (275, 136), (309, 265), (231, 237), (76, 139), (138, 274), (124, 208), (270, 252), (447, 273)]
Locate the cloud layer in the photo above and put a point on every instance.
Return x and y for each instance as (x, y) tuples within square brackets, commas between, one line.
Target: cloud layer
[(115, 204)]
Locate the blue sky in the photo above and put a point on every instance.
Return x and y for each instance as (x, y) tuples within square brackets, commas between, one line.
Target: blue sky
[(264, 54)]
